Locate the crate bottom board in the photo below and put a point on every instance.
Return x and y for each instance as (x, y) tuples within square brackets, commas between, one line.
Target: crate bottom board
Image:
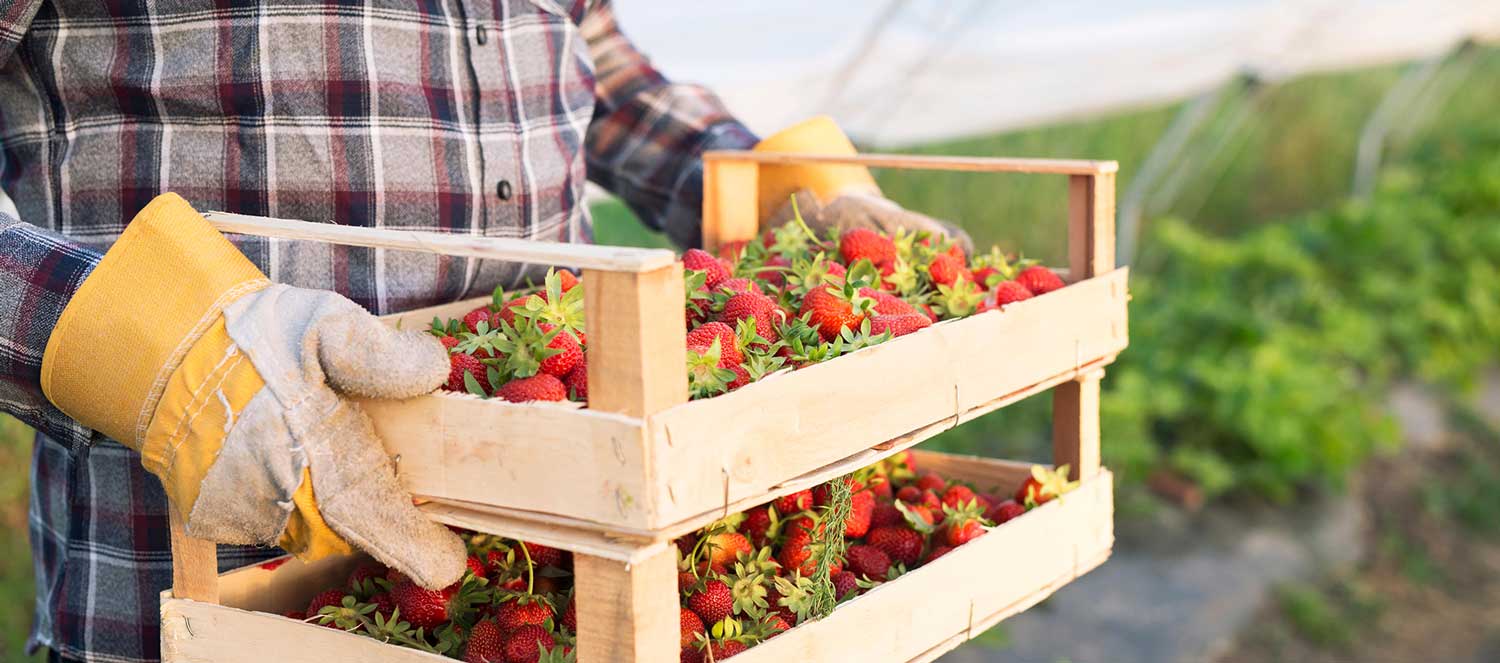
[(960, 594)]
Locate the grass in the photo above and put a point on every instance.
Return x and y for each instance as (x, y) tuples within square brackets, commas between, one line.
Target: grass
[(15, 551)]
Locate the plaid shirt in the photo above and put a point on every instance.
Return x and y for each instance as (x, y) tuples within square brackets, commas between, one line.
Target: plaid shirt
[(464, 117)]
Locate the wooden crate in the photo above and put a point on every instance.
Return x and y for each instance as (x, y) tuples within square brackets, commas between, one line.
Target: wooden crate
[(642, 461), (960, 594)]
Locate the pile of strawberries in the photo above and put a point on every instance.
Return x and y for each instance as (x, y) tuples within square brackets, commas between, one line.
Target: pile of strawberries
[(786, 301), (742, 580)]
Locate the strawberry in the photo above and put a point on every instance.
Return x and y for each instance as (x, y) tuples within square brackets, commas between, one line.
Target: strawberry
[(881, 486), (899, 542), (798, 501), (360, 574), (570, 615), (1004, 511), (507, 313), (703, 337), (332, 597), (1010, 292), (751, 304), (1043, 485), (543, 555), (568, 279), (739, 285), (476, 316), (384, 603), (899, 325), (476, 567), (757, 524), (775, 624), (525, 644), (962, 524), (731, 251), (1039, 280), (705, 262), (947, 270), (460, 364), (515, 613), (577, 381), (983, 274), (885, 514), (295, 614), (909, 494), (692, 627), (774, 272), (844, 584), (887, 303), (539, 387), (741, 377), (568, 355), (831, 311), (425, 608), (863, 243), (861, 510), (931, 481), (485, 643), (722, 649), (796, 551), (936, 552), (868, 561), (958, 495), (713, 602), (724, 548)]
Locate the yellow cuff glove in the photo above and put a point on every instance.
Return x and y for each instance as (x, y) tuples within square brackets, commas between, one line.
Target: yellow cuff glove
[(231, 389), (831, 196)]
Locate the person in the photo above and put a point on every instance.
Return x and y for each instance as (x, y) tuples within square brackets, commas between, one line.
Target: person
[(139, 341)]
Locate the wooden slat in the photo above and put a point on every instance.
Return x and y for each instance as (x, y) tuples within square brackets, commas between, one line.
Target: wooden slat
[(637, 340), (539, 457), (193, 632), (1091, 224), (730, 187), (628, 613), (923, 162), (287, 587), (195, 563), (1003, 572), (548, 530), (739, 445), (1075, 425), (584, 256)]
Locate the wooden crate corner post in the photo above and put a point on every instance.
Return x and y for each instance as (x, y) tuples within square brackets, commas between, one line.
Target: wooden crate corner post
[(731, 186), (195, 564), (1091, 252), (631, 615)]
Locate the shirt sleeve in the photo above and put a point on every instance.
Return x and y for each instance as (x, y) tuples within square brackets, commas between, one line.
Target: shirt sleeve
[(15, 18), (39, 272), (648, 133)]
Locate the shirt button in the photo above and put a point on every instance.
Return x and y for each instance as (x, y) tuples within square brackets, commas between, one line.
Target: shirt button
[(502, 189), (481, 35)]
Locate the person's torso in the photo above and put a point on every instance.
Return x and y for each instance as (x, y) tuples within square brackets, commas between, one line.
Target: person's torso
[(440, 115)]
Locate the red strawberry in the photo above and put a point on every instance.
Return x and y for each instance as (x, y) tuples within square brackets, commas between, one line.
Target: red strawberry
[(739, 285), (705, 262), (795, 552), (900, 543), (757, 523), (508, 312), (514, 614), (983, 274), (476, 566), (566, 279), (724, 548), (570, 615), (958, 495), (476, 316), (485, 643), (885, 514), (544, 555), (1005, 511), (844, 583), (577, 381), (460, 363), (909, 494), (422, 607), (962, 529), (722, 649), (830, 312), (868, 561), (713, 603), (731, 250), (861, 510), (360, 574), (1039, 280), (692, 627), (858, 243), (751, 304), (295, 614), (899, 325), (932, 481), (1010, 292), (887, 303), (798, 501), (947, 270), (570, 352), (332, 597), (741, 377), (923, 513), (775, 276), (881, 486), (525, 644), (539, 387), (775, 623), (703, 337), (384, 604), (936, 552)]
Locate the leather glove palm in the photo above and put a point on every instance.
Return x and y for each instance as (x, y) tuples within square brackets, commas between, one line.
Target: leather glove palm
[(233, 391)]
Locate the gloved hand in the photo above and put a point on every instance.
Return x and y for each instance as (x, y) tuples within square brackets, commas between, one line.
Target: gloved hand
[(833, 196), (232, 389)]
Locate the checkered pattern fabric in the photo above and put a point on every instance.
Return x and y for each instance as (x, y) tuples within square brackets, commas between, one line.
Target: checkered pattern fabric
[(479, 117)]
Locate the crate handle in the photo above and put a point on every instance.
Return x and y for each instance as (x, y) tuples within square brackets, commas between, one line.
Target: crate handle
[(583, 256)]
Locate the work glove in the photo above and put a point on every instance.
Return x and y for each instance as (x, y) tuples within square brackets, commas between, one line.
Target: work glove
[(233, 390), (834, 196)]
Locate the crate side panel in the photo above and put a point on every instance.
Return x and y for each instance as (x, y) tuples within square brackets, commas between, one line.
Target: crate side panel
[(741, 444), (545, 458), (194, 632)]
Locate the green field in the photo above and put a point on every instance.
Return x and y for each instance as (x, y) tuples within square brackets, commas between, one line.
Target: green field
[(1295, 156)]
